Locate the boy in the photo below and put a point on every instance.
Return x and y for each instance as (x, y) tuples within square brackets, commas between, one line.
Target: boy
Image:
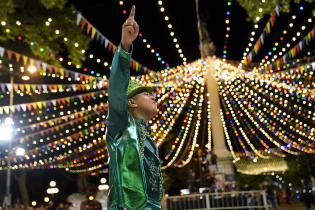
[(135, 173)]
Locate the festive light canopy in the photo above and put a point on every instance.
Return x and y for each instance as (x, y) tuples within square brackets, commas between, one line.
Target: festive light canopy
[(267, 104)]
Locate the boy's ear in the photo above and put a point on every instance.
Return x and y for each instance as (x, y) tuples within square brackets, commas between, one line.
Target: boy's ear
[(132, 103)]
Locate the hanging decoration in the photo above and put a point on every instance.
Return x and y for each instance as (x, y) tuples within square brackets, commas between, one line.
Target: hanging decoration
[(43, 67), (307, 40), (228, 28), (260, 41), (47, 103), (147, 43), (280, 43), (50, 88), (108, 45), (172, 34)]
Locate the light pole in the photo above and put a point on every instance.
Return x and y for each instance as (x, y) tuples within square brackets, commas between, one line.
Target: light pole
[(52, 189), (103, 185), (7, 127), (7, 135)]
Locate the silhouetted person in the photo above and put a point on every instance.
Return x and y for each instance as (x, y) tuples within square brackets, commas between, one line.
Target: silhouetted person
[(192, 182), (272, 197), (288, 195), (313, 188), (306, 194)]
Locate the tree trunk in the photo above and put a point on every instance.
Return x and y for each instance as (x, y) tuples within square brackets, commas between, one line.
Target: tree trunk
[(82, 183), (23, 188)]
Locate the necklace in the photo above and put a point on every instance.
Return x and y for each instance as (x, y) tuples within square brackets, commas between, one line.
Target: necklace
[(143, 135)]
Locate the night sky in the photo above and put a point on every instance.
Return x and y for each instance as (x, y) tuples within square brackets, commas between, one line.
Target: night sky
[(107, 16)]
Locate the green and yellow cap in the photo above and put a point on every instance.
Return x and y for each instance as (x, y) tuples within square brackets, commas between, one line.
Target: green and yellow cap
[(135, 88)]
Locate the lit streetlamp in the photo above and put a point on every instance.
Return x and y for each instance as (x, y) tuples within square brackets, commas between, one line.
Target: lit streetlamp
[(34, 203), (46, 199), (20, 151), (6, 130), (52, 189), (103, 185), (52, 184), (103, 180), (25, 77), (32, 69)]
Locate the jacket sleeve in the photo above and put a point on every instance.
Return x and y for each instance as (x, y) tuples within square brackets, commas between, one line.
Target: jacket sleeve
[(117, 118)]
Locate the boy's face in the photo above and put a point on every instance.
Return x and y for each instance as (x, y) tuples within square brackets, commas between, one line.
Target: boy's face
[(145, 102)]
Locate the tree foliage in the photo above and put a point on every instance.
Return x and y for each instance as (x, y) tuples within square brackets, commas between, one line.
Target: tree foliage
[(251, 182), (301, 167), (46, 39), (252, 7)]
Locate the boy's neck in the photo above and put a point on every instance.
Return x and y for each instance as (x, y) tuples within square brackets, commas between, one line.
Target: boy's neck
[(138, 116)]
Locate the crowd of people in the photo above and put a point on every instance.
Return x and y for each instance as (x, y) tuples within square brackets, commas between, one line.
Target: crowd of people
[(282, 194), (276, 196), (47, 206)]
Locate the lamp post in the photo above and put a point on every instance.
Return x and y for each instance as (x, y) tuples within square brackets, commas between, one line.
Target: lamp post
[(52, 189), (103, 185), (7, 135)]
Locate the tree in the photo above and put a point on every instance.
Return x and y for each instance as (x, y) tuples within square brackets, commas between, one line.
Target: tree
[(250, 182), (48, 27), (268, 6), (21, 178), (47, 30), (301, 167)]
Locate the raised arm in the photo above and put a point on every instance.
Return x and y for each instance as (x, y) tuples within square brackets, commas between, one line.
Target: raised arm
[(117, 119)]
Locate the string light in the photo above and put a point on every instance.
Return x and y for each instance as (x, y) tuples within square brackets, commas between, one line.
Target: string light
[(30, 89), (228, 28), (245, 54), (292, 52), (49, 162), (61, 144), (197, 127), (285, 32), (169, 25), (61, 119), (160, 135), (277, 111), (227, 136), (257, 125), (185, 133), (26, 138), (209, 144), (57, 72), (148, 45)]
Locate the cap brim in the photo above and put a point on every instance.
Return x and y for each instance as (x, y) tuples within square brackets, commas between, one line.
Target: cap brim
[(140, 90)]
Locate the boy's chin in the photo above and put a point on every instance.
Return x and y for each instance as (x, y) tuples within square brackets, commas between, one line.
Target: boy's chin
[(154, 112)]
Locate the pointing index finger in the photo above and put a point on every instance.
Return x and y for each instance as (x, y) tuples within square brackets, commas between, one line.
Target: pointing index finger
[(132, 12)]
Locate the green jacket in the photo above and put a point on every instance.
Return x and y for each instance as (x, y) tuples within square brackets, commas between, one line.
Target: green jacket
[(128, 185)]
